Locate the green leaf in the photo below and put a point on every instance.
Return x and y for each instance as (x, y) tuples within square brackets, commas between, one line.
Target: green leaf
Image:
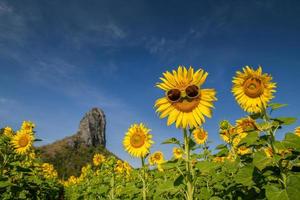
[(4, 184), (275, 193), (179, 180), (171, 141), (275, 106), (215, 198), (250, 139), (285, 120), (221, 146), (223, 152), (293, 186), (261, 160), (256, 116), (206, 167), (291, 192), (245, 176), (171, 164), (292, 140), (264, 126)]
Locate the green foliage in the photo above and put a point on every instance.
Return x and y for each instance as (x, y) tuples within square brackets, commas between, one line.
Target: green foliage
[(22, 177), (69, 157)]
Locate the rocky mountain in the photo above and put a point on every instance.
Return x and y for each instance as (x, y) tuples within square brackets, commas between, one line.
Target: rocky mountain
[(69, 154)]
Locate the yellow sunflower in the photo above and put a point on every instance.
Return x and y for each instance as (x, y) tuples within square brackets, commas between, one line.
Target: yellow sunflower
[(127, 167), (160, 168), (48, 170), (137, 140), (218, 159), (8, 131), (156, 158), (177, 152), (22, 142), (27, 126), (245, 125), (268, 151), (98, 159), (119, 168), (228, 135), (200, 135), (185, 102), (297, 131), (252, 89), (244, 150)]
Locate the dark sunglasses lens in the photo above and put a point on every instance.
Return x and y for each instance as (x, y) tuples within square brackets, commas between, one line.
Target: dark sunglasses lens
[(173, 95), (192, 91)]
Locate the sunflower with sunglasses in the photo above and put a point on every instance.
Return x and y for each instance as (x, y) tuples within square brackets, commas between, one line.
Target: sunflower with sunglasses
[(185, 102)]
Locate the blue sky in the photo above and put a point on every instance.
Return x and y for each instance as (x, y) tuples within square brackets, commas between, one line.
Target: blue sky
[(58, 59)]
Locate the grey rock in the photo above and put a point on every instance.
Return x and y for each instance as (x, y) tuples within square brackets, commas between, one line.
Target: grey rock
[(92, 128)]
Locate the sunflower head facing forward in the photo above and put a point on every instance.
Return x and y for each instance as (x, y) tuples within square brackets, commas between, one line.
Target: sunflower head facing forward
[(185, 103), (156, 158), (137, 140), (252, 89), (22, 142), (200, 135)]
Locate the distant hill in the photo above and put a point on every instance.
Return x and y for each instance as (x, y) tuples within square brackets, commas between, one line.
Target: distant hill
[(71, 153)]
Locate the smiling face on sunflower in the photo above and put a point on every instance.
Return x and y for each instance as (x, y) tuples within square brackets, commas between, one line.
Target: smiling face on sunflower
[(252, 89), (137, 140), (185, 102)]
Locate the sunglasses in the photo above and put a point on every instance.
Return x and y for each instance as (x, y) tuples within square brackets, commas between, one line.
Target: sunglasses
[(174, 95)]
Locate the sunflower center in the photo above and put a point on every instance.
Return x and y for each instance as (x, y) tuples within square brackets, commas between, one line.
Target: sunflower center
[(23, 142), (201, 135), (137, 140), (186, 105), (248, 126), (157, 156), (253, 87)]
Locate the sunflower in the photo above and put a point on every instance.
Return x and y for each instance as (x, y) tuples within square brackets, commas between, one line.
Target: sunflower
[(177, 152), (297, 131), (137, 140), (200, 135), (119, 168), (156, 158), (72, 180), (218, 159), (127, 167), (252, 89), (185, 102), (160, 168), (27, 126), (8, 131), (228, 135), (269, 152), (245, 125), (48, 170), (244, 150), (98, 159), (22, 142)]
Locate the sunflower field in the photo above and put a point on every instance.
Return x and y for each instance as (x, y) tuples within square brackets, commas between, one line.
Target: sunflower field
[(251, 163)]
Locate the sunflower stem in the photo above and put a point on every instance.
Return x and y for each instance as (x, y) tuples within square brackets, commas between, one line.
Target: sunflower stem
[(189, 181), (112, 184), (144, 179), (272, 140)]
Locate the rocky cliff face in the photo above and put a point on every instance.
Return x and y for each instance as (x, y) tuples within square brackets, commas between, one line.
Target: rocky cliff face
[(69, 154), (92, 128)]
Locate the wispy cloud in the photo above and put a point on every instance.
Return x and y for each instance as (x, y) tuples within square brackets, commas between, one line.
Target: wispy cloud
[(68, 79)]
